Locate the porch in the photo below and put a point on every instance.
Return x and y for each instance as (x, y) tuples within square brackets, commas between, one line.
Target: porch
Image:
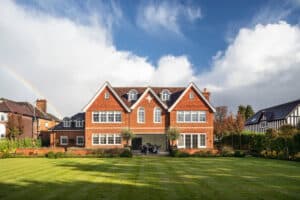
[(140, 140)]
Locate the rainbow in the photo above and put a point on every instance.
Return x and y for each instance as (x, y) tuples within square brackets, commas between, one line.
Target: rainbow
[(32, 88)]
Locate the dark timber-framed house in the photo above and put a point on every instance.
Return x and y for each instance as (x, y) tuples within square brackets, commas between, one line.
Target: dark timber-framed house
[(275, 117)]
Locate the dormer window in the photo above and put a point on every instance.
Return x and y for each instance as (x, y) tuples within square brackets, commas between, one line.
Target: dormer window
[(79, 123), (67, 122), (132, 95), (165, 95)]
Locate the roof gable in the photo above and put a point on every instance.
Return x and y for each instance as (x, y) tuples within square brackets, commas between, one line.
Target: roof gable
[(192, 85), (148, 90), (277, 112), (106, 85)]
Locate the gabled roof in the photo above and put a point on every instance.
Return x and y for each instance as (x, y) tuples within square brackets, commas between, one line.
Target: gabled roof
[(73, 119), (106, 84), (24, 108), (198, 92), (144, 94), (273, 113)]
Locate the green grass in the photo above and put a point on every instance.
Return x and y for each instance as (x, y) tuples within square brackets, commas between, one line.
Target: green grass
[(149, 178)]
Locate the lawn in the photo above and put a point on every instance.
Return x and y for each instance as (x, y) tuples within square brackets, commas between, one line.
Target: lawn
[(149, 178)]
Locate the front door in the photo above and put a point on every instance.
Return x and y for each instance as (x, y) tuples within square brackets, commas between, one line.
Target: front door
[(136, 143)]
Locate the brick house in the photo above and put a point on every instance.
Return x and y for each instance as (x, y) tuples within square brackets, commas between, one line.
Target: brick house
[(148, 112), (31, 120)]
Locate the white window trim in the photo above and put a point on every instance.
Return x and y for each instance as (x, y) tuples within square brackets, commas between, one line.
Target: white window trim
[(191, 111), (77, 140), (191, 95), (99, 140), (132, 95), (67, 123), (106, 113), (79, 123), (64, 137), (138, 118), (199, 146), (165, 95), (154, 115), (106, 95)]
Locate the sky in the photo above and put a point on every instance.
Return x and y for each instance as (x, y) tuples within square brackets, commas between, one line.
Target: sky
[(243, 52)]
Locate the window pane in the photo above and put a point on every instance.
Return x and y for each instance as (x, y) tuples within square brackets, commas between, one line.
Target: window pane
[(103, 116), (195, 141), (118, 139), (110, 139), (195, 117), (118, 116), (181, 140), (102, 139), (187, 116), (202, 116), (96, 117), (95, 139), (180, 116), (157, 115), (188, 141), (110, 116), (141, 115), (202, 140)]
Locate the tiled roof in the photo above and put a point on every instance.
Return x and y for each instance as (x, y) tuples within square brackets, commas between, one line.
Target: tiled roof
[(273, 113), (175, 93), (76, 117), (24, 108)]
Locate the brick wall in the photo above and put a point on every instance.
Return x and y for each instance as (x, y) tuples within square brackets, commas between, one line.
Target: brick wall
[(55, 138)]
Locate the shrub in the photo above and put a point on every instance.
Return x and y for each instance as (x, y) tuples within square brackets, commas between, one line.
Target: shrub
[(59, 155), (6, 155), (172, 134), (126, 153), (239, 153), (50, 154), (227, 151)]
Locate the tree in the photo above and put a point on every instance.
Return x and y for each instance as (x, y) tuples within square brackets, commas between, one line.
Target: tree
[(298, 126), (14, 126), (248, 112), (173, 134), (242, 111), (127, 135), (287, 130), (219, 121)]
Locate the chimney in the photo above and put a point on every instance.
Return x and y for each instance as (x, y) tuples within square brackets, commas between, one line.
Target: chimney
[(206, 94), (41, 104)]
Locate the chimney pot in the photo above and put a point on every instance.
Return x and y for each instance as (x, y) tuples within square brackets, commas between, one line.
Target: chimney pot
[(41, 104)]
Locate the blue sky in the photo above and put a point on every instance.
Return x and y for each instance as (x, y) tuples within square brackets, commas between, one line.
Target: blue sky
[(199, 39), (244, 52)]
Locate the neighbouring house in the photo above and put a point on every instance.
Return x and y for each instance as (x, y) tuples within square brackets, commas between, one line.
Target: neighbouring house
[(148, 112), (30, 120), (69, 132), (274, 117)]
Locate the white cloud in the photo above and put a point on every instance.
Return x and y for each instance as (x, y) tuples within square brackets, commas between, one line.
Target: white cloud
[(68, 61), (261, 66), (156, 16)]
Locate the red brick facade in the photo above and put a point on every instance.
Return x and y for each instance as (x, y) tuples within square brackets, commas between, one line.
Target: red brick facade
[(149, 101)]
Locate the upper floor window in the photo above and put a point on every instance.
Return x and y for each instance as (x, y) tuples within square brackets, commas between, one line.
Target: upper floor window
[(191, 95), (3, 117), (107, 117), (191, 116), (141, 115), (67, 122), (132, 95), (165, 95), (79, 123), (106, 95), (157, 115)]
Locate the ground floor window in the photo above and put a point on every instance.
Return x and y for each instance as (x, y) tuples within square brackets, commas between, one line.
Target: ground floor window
[(192, 140), (104, 139), (80, 140), (64, 140)]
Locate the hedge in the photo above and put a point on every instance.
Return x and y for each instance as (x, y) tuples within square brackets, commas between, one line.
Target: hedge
[(9, 146)]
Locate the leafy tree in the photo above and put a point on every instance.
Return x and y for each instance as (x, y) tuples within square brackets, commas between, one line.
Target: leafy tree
[(242, 111), (248, 112), (14, 126), (173, 134), (127, 135), (219, 121), (287, 130), (298, 126)]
